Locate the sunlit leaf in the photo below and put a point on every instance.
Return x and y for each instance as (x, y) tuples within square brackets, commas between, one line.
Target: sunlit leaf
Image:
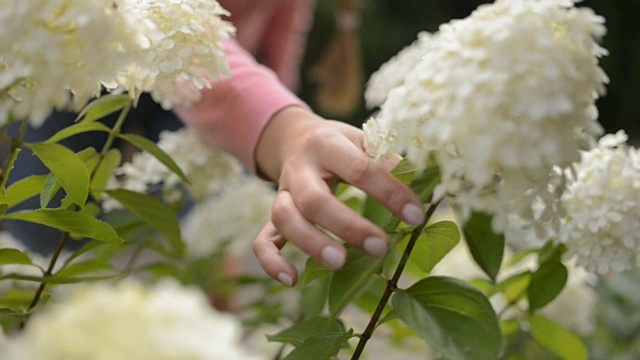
[(77, 129), (103, 106), (24, 189), (154, 213), (10, 256), (453, 317), (149, 146), (104, 172), (69, 221), (49, 190), (557, 339), (434, 243), (486, 247), (67, 167)]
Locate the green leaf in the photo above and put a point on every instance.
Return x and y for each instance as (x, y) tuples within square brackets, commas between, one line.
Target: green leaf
[(69, 221), (313, 296), (425, 182), (103, 106), (103, 173), (73, 270), (405, 171), (453, 317), (319, 347), (514, 287), (546, 283), (296, 334), (154, 213), (487, 247), (149, 146), (557, 339), (24, 189), (67, 167), (10, 256), (49, 190), (434, 243), (351, 279), (313, 269), (77, 129)]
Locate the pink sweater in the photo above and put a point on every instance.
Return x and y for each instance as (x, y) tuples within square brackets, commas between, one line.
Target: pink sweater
[(232, 115)]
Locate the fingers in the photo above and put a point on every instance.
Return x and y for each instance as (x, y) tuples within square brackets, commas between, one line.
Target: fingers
[(293, 226), (352, 165), (314, 200), (267, 247)]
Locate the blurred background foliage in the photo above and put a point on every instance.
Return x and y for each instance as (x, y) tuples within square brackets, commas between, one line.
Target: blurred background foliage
[(389, 25)]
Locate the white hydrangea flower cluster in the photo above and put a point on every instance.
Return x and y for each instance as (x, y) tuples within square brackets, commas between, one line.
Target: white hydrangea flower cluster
[(208, 170), (602, 226), (392, 73), (59, 54), (500, 97), (181, 48), (47, 47), (129, 321), (228, 221)]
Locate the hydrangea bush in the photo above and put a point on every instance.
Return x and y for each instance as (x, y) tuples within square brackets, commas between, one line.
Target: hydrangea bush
[(496, 117)]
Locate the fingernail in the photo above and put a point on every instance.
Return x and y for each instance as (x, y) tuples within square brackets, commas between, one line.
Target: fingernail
[(285, 279), (375, 246), (412, 214), (333, 258)]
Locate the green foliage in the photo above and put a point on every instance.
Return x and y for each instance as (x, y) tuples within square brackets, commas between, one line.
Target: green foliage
[(557, 339), (13, 256), (298, 333), (67, 167), (154, 213), (456, 319), (70, 221), (104, 172), (75, 130), (320, 347), (487, 247), (103, 106), (435, 242), (149, 146), (24, 189)]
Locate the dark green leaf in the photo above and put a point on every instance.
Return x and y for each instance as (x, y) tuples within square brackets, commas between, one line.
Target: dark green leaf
[(149, 146), (453, 317), (49, 190), (296, 334), (313, 296), (69, 221), (434, 243), (10, 256), (24, 189), (546, 283), (77, 129), (154, 213), (313, 269), (487, 247), (104, 172), (351, 279), (103, 106), (557, 339), (319, 347), (425, 182), (68, 167)]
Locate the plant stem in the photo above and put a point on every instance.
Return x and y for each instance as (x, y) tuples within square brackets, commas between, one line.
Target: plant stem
[(13, 154), (392, 284)]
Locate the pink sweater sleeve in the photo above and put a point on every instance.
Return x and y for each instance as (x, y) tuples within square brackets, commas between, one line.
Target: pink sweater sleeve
[(233, 113)]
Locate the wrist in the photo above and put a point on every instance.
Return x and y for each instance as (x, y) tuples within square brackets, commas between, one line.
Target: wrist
[(279, 138)]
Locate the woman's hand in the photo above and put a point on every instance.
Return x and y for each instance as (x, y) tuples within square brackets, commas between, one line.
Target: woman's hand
[(303, 153)]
